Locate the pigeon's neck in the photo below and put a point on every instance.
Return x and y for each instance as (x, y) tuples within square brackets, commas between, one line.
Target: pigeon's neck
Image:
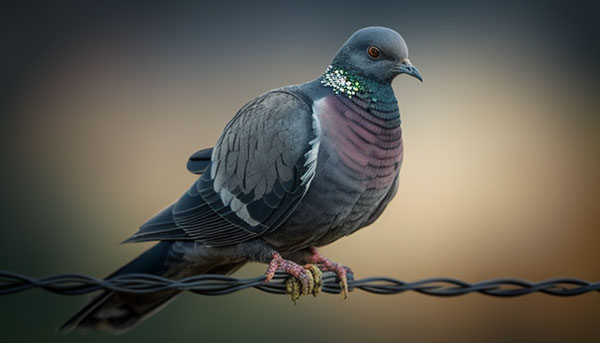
[(375, 97)]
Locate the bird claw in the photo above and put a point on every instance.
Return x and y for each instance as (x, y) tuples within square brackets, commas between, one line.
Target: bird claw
[(341, 271), (344, 286), (308, 282), (304, 280)]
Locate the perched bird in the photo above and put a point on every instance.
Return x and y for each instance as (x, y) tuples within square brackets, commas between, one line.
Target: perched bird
[(296, 168)]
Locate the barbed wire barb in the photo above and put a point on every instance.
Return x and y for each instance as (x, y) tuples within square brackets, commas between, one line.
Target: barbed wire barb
[(210, 284)]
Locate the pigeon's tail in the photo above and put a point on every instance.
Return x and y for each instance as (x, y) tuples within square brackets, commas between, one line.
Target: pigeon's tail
[(118, 312)]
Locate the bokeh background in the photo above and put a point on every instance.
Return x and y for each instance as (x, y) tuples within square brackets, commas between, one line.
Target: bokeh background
[(102, 105)]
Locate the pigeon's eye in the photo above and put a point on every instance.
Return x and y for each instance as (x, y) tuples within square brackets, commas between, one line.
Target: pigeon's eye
[(373, 51)]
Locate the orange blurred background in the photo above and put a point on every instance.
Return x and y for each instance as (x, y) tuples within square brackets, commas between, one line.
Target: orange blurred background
[(500, 177)]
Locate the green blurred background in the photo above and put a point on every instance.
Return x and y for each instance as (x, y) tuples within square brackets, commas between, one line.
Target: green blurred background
[(102, 105)]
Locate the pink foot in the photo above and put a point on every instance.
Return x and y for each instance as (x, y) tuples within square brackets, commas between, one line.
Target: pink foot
[(309, 282), (326, 264)]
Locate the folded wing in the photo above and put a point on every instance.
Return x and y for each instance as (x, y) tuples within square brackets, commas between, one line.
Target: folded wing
[(259, 171)]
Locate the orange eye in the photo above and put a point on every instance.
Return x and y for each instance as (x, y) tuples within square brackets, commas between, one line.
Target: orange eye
[(374, 52)]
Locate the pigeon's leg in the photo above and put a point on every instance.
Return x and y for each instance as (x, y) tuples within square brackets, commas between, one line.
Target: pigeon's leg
[(326, 264), (306, 279)]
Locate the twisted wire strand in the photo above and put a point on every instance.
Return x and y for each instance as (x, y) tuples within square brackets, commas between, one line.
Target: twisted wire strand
[(209, 284)]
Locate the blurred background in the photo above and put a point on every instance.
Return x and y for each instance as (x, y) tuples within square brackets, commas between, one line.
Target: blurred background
[(102, 104)]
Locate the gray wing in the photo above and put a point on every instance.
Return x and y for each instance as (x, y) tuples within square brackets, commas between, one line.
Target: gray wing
[(260, 169)]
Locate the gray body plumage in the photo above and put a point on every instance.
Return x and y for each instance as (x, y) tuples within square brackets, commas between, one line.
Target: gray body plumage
[(340, 199), (296, 168)]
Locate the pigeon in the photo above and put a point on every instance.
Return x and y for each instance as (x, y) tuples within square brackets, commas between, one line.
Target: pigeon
[(297, 168)]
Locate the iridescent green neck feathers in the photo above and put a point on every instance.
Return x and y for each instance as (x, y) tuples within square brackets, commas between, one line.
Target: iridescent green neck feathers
[(342, 82)]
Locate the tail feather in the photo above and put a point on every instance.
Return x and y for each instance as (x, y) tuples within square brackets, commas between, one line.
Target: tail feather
[(118, 312)]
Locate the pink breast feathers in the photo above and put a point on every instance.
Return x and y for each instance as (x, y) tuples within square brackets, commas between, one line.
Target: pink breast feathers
[(363, 142)]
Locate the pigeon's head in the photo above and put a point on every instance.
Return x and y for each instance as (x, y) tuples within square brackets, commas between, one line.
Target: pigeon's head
[(376, 53)]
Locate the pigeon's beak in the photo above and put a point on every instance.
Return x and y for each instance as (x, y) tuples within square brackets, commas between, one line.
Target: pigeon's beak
[(406, 68)]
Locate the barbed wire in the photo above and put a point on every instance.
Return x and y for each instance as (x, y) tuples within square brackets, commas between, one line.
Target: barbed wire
[(210, 284)]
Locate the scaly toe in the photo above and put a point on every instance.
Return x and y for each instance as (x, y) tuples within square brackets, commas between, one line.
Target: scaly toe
[(307, 280), (317, 277), (344, 286), (292, 287)]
